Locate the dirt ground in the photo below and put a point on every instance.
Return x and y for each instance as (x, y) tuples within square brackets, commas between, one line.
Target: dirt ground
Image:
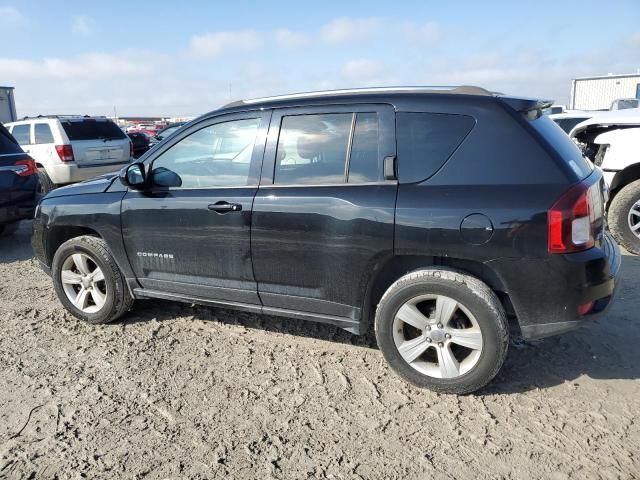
[(175, 391)]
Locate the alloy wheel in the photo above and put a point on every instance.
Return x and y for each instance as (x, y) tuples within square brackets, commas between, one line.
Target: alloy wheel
[(84, 283), (634, 219), (437, 336)]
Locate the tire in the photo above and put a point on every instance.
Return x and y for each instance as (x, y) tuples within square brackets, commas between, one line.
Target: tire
[(618, 217), (46, 185), (482, 312), (112, 290)]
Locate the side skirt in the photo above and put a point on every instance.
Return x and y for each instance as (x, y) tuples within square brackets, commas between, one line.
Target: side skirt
[(352, 326)]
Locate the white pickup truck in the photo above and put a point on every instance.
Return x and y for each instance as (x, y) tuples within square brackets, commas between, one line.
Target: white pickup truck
[(612, 141)]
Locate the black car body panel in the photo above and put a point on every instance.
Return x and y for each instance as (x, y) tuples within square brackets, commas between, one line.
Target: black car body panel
[(325, 252), (18, 193)]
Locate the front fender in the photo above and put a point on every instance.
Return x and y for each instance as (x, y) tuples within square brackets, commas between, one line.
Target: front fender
[(60, 218)]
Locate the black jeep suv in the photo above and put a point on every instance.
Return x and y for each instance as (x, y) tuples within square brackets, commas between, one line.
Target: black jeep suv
[(449, 218)]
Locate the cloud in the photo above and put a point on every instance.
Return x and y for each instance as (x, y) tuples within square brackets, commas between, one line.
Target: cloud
[(83, 25), (90, 66), (362, 68), (342, 30), (429, 32), (10, 16), (216, 43), (290, 39), (634, 40)]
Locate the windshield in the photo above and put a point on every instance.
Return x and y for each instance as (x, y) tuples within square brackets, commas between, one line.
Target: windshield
[(567, 124), (92, 129)]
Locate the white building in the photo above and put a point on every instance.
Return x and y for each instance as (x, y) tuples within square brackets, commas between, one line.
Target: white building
[(7, 105), (597, 93)]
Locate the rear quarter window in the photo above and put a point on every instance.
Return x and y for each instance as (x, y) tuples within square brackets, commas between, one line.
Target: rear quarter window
[(563, 145), (91, 129), (42, 133), (426, 141)]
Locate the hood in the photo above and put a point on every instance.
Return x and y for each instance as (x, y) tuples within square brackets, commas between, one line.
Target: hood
[(630, 116), (93, 185)]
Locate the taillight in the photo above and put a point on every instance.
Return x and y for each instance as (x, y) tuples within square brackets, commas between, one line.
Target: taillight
[(26, 167), (571, 220), (130, 149), (65, 152)]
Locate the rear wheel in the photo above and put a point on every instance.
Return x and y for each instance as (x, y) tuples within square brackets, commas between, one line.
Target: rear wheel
[(443, 330), (45, 184), (88, 282), (624, 217)]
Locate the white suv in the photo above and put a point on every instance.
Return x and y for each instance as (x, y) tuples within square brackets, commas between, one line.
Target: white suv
[(69, 149)]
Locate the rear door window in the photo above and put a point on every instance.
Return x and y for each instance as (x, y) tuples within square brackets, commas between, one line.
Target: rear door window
[(312, 149), (22, 134), (426, 141), (42, 133), (92, 129), (328, 148)]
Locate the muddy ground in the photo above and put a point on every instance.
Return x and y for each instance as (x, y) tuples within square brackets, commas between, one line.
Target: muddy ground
[(174, 391)]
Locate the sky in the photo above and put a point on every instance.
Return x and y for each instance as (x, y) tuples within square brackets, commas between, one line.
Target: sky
[(187, 58)]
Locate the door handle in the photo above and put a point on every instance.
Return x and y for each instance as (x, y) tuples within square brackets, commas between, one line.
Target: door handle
[(224, 207)]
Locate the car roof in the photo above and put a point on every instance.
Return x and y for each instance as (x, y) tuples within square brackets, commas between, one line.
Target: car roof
[(362, 92), (389, 95), (62, 117)]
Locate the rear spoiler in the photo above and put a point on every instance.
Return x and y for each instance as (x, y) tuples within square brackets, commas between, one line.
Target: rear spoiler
[(524, 105)]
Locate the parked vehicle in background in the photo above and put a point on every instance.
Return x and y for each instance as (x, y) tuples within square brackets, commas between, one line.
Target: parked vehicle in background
[(570, 118), (611, 140), (357, 207), (70, 148), (625, 103), (554, 109), (18, 183), (140, 143), (148, 129), (165, 132)]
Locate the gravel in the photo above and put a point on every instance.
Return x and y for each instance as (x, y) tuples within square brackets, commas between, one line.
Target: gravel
[(179, 391)]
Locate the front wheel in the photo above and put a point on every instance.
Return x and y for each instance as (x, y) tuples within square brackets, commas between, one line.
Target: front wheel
[(443, 330), (624, 217), (88, 282)]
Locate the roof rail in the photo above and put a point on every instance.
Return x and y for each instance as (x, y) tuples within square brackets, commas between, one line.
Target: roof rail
[(459, 90), (32, 117)]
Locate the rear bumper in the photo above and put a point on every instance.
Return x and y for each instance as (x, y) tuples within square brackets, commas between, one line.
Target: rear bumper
[(546, 294), (63, 173), (15, 213)]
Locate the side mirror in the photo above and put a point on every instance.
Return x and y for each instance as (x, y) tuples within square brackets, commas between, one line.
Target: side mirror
[(163, 177), (133, 176)]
